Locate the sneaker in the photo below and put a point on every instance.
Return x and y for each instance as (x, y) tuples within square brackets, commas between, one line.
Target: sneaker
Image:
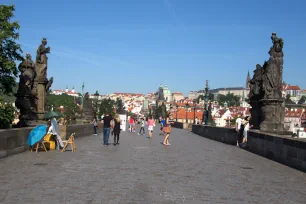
[(138, 133), (117, 143), (114, 144), (105, 145)]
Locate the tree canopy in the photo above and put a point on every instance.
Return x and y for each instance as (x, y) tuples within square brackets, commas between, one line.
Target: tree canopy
[(10, 51), (302, 100), (229, 98), (71, 110), (119, 106), (107, 106)]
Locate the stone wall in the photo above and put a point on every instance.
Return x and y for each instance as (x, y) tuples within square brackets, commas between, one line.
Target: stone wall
[(283, 149), (225, 135), (182, 125), (13, 141)]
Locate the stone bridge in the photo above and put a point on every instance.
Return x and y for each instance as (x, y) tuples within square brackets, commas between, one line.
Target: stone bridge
[(193, 170)]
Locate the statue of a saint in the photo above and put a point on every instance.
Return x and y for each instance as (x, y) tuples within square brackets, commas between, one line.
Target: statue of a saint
[(27, 72), (42, 50)]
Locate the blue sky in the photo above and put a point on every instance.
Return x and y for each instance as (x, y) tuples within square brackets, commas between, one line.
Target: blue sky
[(135, 45)]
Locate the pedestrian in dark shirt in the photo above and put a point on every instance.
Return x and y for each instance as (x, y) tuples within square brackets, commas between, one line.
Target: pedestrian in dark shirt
[(117, 124), (107, 119)]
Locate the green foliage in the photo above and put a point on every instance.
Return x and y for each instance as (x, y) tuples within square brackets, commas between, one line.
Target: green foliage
[(119, 106), (229, 98), (302, 100), (107, 106), (288, 99), (71, 110), (202, 97), (6, 114), (161, 111), (10, 51)]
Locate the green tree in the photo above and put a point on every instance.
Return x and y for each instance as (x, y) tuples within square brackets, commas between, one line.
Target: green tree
[(107, 106), (71, 110), (120, 106), (288, 99), (229, 98), (302, 100), (6, 114), (10, 51)]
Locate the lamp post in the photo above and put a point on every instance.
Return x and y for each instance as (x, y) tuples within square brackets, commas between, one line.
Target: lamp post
[(176, 111), (206, 103), (194, 110), (97, 97), (187, 105)]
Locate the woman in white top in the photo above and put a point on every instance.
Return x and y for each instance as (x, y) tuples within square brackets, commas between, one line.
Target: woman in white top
[(247, 126), (53, 129)]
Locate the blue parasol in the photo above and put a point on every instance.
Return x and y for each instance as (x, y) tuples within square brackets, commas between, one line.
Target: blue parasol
[(37, 134)]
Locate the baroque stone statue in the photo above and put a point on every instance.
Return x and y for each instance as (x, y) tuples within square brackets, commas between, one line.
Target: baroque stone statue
[(265, 96), (33, 87), (26, 94), (87, 110), (42, 60)]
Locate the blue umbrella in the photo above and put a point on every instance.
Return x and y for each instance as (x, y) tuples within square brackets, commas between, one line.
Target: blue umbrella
[(37, 134)]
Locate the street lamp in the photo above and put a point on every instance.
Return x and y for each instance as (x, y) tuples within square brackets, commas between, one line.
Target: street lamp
[(206, 103), (176, 111), (187, 105), (97, 97), (194, 110)]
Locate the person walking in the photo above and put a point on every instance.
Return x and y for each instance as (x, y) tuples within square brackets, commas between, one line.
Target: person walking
[(95, 124), (142, 124), (167, 130), (132, 124), (106, 128), (117, 124), (237, 127), (151, 125), (162, 125)]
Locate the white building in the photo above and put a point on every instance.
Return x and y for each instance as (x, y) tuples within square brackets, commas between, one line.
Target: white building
[(167, 94), (67, 91)]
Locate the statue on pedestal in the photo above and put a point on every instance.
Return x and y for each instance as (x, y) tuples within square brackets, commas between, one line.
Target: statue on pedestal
[(33, 87), (265, 94), (42, 60), (87, 109), (26, 96)]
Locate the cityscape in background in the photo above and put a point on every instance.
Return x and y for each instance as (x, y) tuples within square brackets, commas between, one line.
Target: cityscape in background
[(224, 113)]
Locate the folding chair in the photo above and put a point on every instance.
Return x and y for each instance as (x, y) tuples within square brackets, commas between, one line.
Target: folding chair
[(41, 143), (71, 142)]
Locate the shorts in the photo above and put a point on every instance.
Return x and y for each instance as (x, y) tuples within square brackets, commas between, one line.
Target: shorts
[(150, 128)]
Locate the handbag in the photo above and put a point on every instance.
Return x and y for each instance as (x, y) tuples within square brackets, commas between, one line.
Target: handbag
[(167, 129)]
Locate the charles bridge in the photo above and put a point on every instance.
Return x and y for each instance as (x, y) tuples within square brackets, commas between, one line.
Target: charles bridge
[(193, 169)]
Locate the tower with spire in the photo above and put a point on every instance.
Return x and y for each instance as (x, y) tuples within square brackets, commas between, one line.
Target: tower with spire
[(247, 84)]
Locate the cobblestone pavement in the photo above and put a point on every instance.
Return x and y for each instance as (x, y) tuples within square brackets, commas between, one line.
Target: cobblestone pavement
[(192, 170)]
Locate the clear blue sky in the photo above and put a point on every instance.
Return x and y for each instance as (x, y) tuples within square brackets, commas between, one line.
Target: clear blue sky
[(135, 45)]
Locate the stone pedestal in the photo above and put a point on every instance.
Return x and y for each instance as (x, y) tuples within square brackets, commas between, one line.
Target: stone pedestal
[(256, 116), (42, 99), (273, 115)]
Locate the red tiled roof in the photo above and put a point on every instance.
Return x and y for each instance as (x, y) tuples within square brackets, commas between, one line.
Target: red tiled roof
[(289, 87)]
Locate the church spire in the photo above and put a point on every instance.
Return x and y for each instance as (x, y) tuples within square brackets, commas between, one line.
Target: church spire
[(247, 84)]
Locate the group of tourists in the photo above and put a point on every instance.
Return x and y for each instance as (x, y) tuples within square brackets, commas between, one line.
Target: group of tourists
[(111, 125), (242, 128)]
